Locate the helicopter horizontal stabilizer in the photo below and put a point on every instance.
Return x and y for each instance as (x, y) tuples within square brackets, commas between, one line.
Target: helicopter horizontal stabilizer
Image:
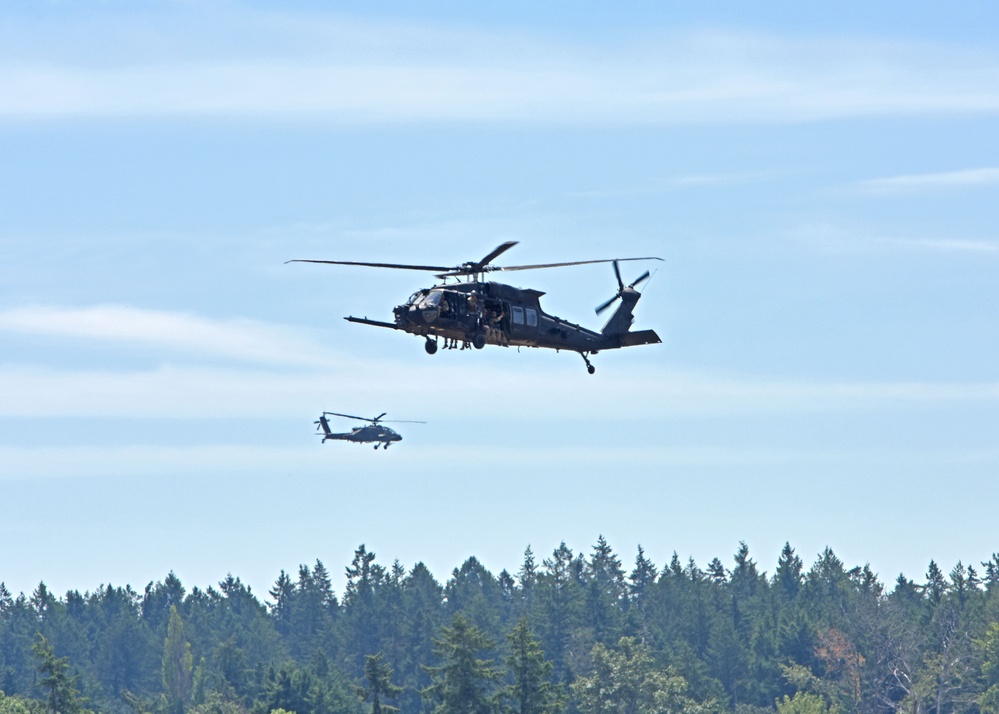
[(642, 337)]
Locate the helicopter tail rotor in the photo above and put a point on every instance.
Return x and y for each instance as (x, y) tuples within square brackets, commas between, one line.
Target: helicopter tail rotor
[(621, 287)]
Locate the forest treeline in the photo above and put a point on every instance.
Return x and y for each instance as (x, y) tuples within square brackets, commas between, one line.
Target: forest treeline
[(571, 632)]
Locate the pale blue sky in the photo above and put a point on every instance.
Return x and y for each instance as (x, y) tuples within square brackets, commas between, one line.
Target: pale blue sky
[(821, 183)]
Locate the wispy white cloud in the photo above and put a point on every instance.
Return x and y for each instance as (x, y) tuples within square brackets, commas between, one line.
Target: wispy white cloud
[(705, 394), (169, 391), (833, 239), (240, 339), (675, 183), (420, 388), (155, 461), (910, 183), (943, 245), (264, 377), (348, 71), (151, 461)]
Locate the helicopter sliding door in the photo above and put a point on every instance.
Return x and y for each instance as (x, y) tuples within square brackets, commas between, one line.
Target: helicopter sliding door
[(523, 323)]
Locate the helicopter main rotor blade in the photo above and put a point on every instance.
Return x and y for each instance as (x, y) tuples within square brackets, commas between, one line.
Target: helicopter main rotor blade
[(562, 265), (445, 271), (617, 274), (466, 269), (397, 266), (497, 251), (377, 418), (401, 421), (347, 416)]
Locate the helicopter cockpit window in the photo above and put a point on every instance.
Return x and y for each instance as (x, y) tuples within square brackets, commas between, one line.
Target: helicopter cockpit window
[(432, 300), (518, 315), (532, 317), (415, 298)]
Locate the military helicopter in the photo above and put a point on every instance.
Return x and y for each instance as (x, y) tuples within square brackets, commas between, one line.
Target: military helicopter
[(477, 313), (374, 431)]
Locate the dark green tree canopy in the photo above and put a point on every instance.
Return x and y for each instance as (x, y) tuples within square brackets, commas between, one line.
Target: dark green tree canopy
[(573, 632)]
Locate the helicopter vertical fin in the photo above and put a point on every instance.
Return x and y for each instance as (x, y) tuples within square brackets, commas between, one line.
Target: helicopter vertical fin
[(618, 328), (620, 321), (619, 325), (326, 427)]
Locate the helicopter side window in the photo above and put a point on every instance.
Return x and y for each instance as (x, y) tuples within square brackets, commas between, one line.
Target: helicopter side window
[(518, 315), (532, 317)]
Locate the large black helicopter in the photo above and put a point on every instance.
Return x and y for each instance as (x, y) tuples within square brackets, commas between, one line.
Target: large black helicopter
[(373, 431), (477, 313)]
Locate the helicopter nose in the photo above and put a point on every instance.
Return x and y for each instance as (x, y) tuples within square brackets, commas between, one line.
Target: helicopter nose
[(424, 314), (408, 313)]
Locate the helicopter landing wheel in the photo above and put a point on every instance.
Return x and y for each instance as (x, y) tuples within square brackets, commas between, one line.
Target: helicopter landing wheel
[(589, 367), (430, 346), (479, 341)]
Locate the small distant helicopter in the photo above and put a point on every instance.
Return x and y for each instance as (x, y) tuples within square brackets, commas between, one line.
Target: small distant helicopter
[(374, 431), (477, 313)]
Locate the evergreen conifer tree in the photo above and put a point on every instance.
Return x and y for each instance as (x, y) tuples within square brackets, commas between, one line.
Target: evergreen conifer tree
[(464, 682), (532, 690), (63, 695), (378, 676)]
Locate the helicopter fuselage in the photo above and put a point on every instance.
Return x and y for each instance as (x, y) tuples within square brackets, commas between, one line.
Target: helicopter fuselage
[(480, 313), (364, 434), (477, 313), (367, 434), (374, 431)]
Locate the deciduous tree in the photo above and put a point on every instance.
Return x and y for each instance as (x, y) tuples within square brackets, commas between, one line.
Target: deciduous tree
[(178, 664)]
